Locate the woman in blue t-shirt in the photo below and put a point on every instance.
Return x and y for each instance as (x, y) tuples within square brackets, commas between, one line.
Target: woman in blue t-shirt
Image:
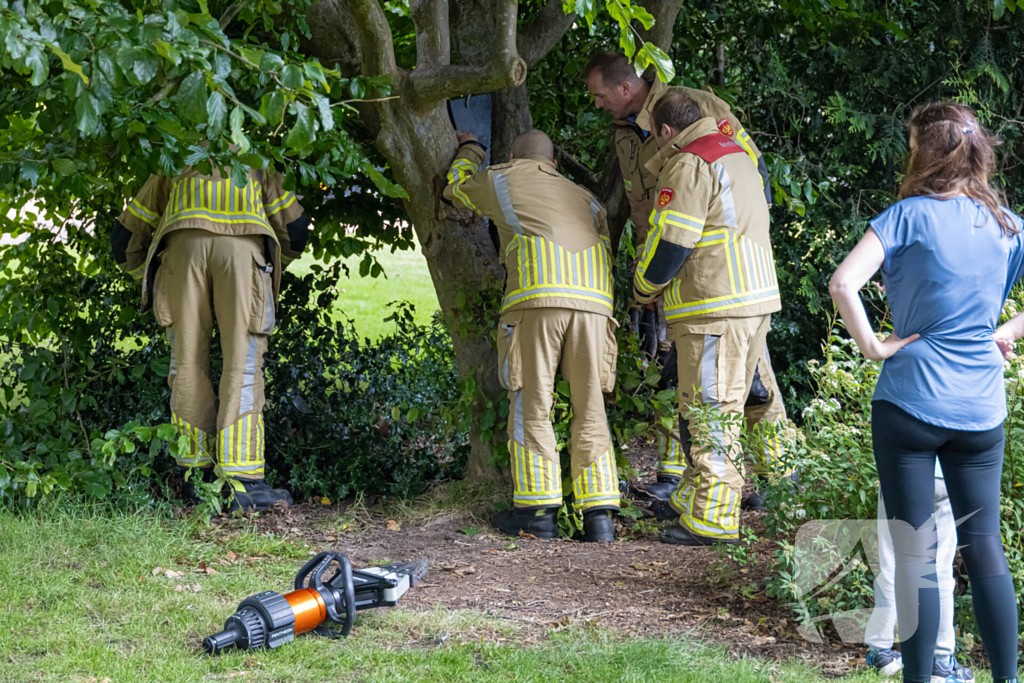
[(949, 254)]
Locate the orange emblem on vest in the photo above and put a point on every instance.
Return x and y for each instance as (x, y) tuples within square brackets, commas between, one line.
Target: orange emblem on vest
[(724, 128), (664, 197)]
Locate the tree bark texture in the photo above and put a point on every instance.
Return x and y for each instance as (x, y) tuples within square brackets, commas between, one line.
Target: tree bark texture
[(414, 133)]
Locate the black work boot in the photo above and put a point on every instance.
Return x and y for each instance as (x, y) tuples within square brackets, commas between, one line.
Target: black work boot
[(195, 474), (539, 522), (663, 488), (598, 526), (663, 512), (754, 502), (247, 494), (678, 535)]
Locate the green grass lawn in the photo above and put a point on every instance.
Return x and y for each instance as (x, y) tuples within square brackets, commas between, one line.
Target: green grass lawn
[(81, 604), (365, 299)]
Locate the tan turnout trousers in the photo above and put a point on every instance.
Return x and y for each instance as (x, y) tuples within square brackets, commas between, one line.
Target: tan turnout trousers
[(717, 363), (532, 345), (205, 276)]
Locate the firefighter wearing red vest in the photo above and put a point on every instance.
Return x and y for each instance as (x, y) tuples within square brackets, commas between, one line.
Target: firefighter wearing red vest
[(709, 255), (616, 88)]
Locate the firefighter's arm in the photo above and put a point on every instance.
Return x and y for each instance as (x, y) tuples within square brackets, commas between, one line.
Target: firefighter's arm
[(677, 223), (468, 188), (134, 228), (288, 219)]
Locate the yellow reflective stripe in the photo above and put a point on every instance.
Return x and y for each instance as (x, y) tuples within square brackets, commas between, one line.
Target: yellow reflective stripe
[(675, 309), (142, 213), (743, 138), (281, 204), (462, 170), (738, 255)]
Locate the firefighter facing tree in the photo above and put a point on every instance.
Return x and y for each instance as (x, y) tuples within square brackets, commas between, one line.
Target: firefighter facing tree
[(557, 313), (709, 254), (205, 249)]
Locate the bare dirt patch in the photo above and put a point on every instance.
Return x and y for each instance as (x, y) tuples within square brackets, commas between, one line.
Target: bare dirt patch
[(636, 587)]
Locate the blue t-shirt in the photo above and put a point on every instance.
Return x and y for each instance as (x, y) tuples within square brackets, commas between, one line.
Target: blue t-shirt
[(947, 272)]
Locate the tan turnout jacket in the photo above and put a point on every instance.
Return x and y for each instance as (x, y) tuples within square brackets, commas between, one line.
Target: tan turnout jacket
[(214, 204), (636, 150), (709, 201), (554, 234)]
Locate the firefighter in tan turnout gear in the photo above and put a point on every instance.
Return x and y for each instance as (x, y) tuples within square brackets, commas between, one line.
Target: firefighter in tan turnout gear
[(205, 249), (709, 255), (557, 313), (630, 100)]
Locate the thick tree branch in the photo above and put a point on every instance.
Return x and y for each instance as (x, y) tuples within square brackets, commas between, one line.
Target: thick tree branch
[(433, 43), (580, 173), (664, 13), (506, 69), (376, 46), (544, 32)]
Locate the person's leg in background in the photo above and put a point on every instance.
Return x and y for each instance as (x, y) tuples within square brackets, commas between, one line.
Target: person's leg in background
[(905, 451), (764, 411), (879, 633), (972, 463)]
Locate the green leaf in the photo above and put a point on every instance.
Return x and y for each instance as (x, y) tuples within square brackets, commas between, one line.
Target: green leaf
[(652, 54), (239, 174), (469, 531), (413, 413), (302, 133), (144, 68), (292, 78), (36, 61), (396, 414), (272, 106), (64, 167), (69, 64), (87, 115), (315, 73), (216, 113), (168, 52), (998, 9), (270, 62), (323, 105), (642, 15), (191, 97), (237, 135)]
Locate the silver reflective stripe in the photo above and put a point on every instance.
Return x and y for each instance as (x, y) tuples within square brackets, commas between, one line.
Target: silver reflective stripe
[(725, 301), (249, 378), (508, 329), (269, 328), (709, 390), (595, 209), (707, 370), (728, 204), (505, 202), (518, 429), (242, 468), (173, 372)]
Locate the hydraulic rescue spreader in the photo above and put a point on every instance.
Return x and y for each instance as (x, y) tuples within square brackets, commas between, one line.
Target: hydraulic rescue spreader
[(269, 619)]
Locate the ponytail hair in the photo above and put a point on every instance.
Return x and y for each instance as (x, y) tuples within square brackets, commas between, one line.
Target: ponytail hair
[(953, 155)]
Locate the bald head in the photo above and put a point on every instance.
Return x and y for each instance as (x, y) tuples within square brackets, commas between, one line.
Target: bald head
[(534, 144)]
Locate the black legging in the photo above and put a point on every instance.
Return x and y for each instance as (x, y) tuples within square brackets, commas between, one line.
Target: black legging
[(972, 464)]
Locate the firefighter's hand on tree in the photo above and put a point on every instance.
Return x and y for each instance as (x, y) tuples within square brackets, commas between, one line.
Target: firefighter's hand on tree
[(464, 136)]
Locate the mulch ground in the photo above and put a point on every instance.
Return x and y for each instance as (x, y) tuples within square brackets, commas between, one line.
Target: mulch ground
[(636, 586)]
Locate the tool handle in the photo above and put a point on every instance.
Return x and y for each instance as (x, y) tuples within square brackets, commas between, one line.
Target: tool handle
[(317, 567)]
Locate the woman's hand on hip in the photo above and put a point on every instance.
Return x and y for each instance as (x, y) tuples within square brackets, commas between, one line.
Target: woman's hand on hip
[(888, 347)]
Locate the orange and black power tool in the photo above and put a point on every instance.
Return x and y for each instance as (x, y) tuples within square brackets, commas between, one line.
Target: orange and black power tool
[(270, 619)]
